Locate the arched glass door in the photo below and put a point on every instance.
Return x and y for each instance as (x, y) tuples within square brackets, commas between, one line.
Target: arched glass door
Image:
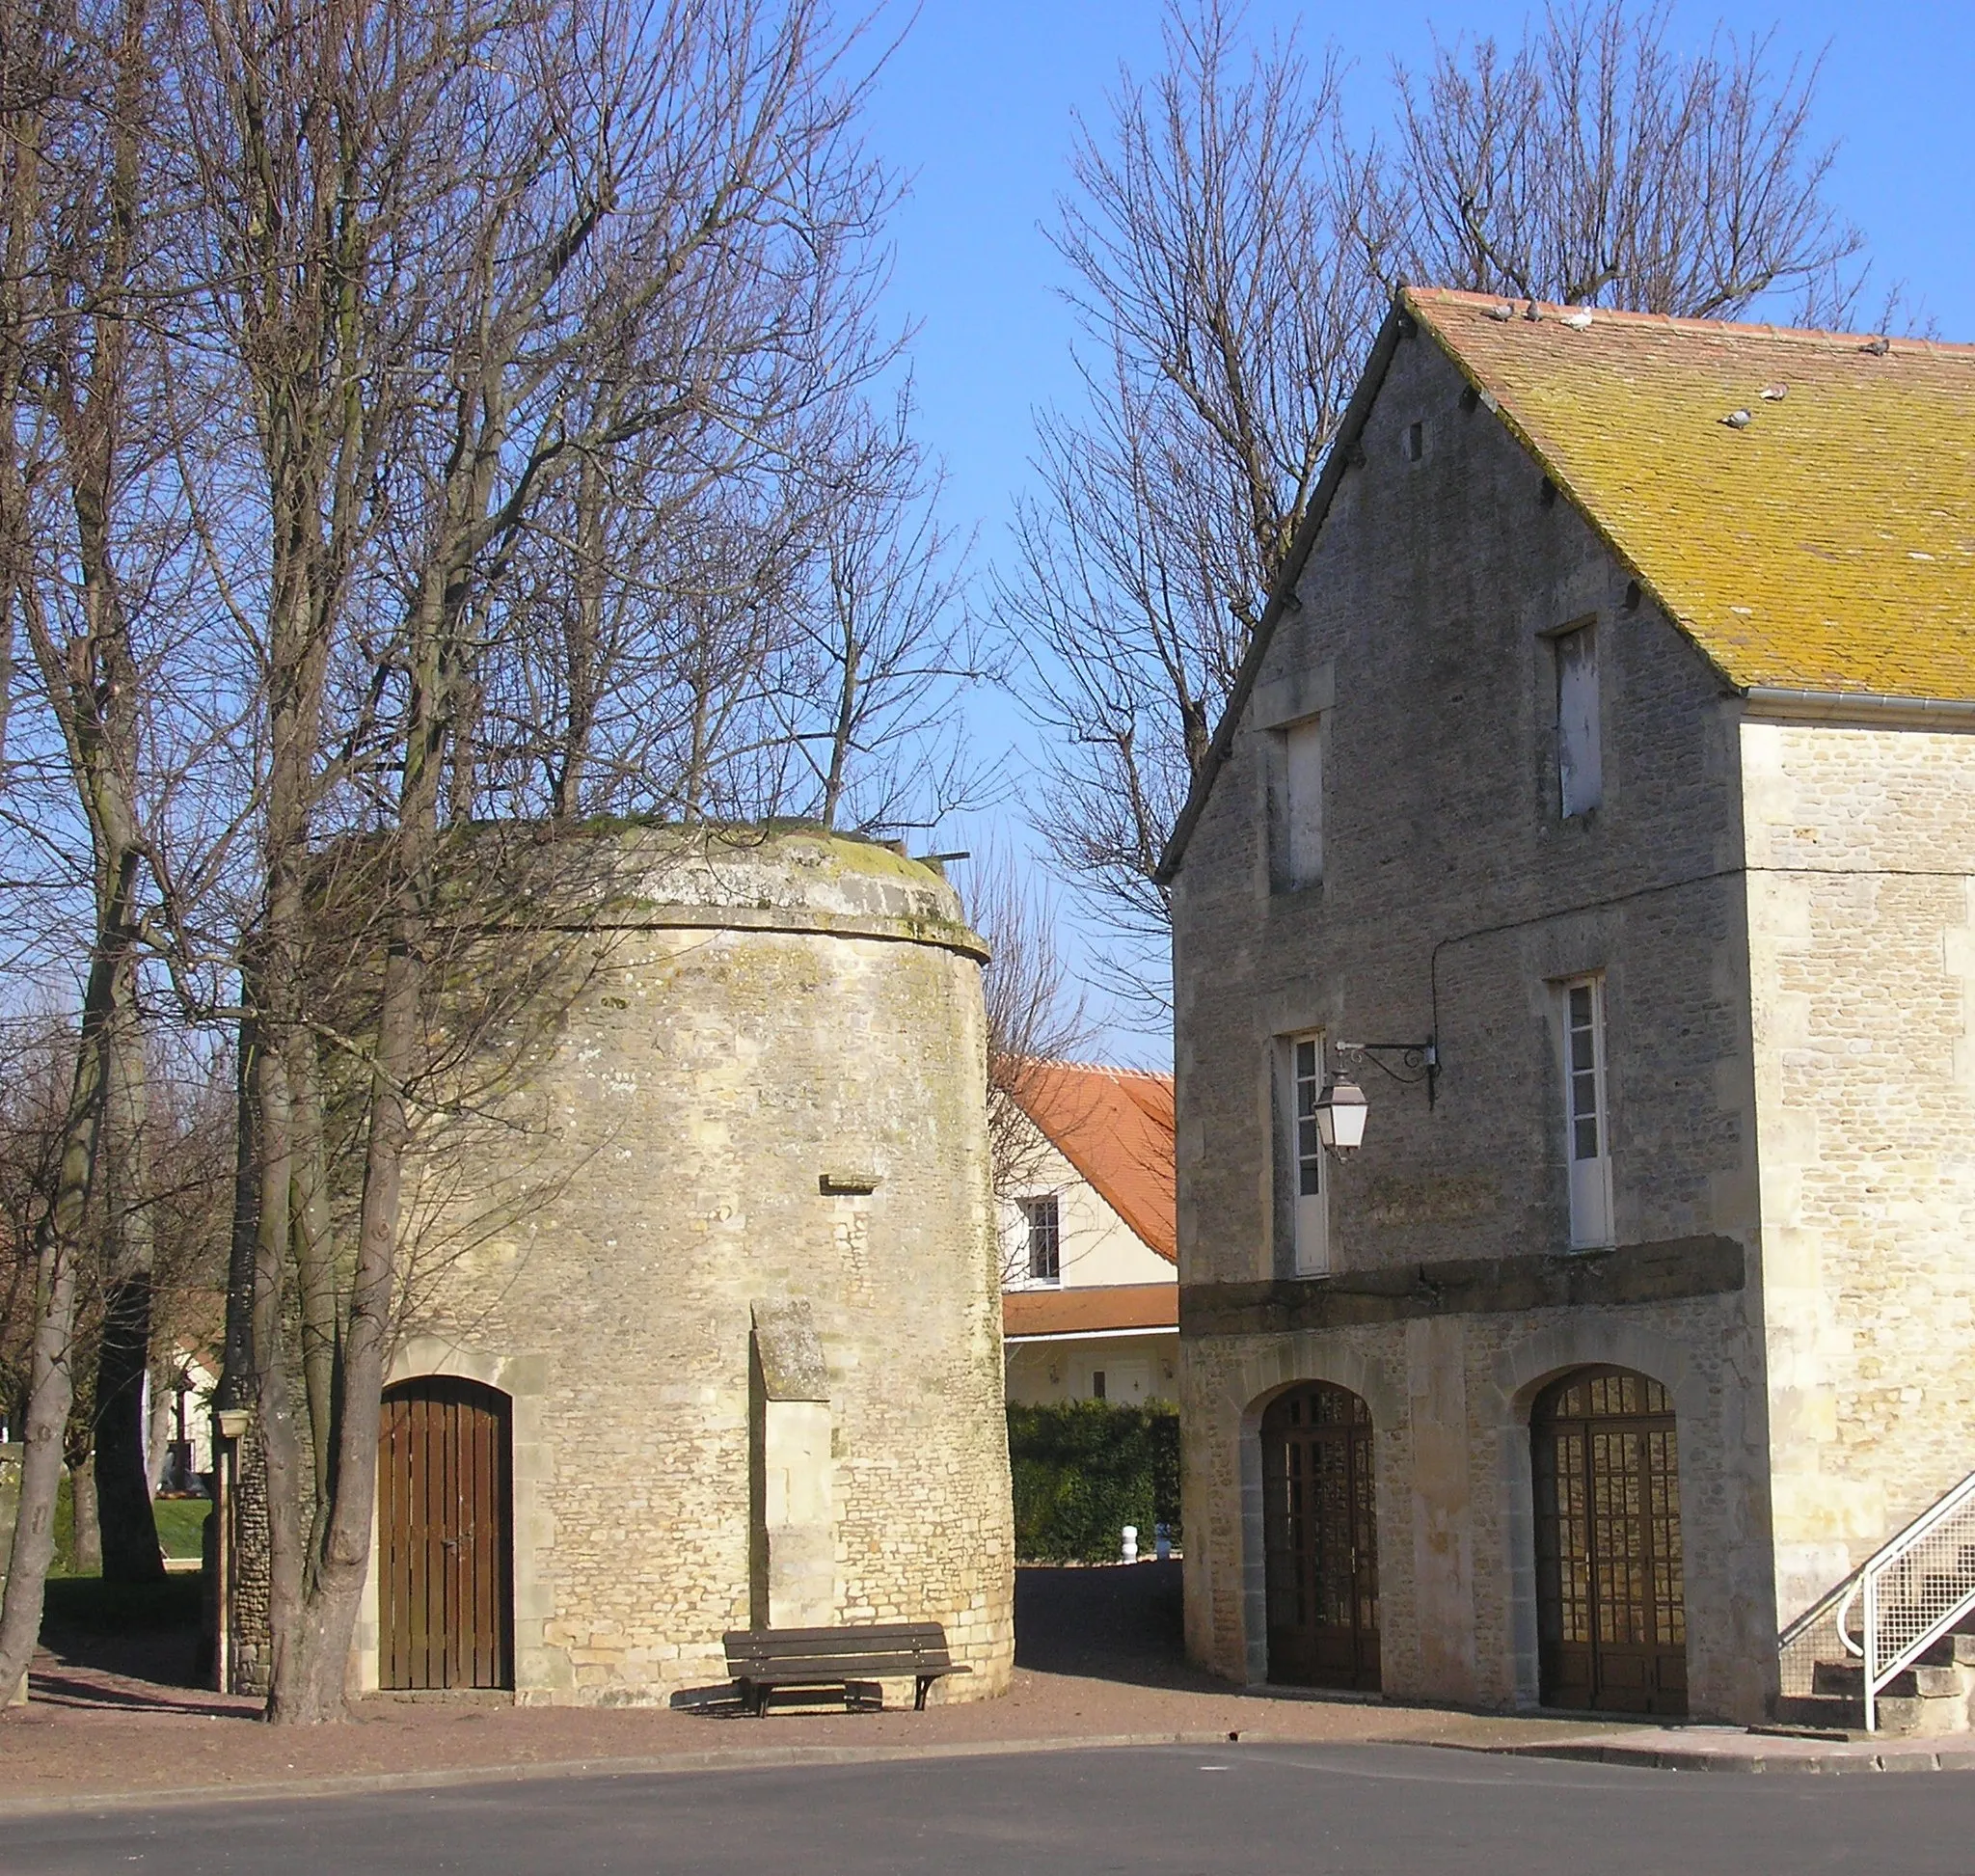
[(1611, 1615), (1320, 1538)]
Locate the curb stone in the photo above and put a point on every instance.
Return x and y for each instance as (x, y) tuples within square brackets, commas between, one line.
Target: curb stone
[(1711, 1758)]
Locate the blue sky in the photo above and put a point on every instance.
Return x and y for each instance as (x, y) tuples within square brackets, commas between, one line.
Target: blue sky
[(976, 106)]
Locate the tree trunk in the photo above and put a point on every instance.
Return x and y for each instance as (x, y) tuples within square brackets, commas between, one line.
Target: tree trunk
[(120, 1477), (58, 1255), (160, 1430), (122, 1480), (86, 1523), (312, 1662)]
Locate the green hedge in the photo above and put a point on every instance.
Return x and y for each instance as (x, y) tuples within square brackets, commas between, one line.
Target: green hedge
[(1085, 1469)]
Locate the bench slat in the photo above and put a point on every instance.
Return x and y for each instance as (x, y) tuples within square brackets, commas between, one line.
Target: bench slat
[(862, 1636), (832, 1667), (934, 1652)]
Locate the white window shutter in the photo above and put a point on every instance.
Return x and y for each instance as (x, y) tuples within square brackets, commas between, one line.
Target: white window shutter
[(1303, 779), (1580, 769)]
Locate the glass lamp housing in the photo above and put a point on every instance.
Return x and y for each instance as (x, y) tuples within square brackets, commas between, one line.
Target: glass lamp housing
[(1340, 1111)]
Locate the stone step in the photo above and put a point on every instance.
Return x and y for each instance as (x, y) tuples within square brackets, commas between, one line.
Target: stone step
[(1895, 1716), (1927, 1682), (1928, 1698), (1827, 1712)]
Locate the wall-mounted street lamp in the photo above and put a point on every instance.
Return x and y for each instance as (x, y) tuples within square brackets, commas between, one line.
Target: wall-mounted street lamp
[(1341, 1109)]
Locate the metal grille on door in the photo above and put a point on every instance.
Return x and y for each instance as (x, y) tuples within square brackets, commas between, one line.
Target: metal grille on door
[(1320, 1537), (445, 1610), (1612, 1616)]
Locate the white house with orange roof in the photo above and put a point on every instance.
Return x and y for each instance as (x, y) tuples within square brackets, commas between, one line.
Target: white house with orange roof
[(1090, 1281)]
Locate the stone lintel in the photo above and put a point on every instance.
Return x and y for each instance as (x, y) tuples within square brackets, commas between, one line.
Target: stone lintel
[(1674, 1267)]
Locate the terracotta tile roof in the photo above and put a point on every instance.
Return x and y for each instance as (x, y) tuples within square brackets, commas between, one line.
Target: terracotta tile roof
[(1115, 1126), (1826, 544), (1087, 1311)]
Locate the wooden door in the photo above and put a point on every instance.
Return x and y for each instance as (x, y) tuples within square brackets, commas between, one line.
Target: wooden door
[(1612, 1617), (444, 1486), (1320, 1538)]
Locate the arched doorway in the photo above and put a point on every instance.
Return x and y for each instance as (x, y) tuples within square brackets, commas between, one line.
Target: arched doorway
[(445, 1493), (1320, 1538), (1612, 1615)]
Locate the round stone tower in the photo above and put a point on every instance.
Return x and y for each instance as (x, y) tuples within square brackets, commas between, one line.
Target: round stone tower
[(703, 1323)]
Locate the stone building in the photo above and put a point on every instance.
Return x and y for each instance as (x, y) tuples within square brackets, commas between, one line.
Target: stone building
[(730, 1353), (1090, 1283), (1599, 799)]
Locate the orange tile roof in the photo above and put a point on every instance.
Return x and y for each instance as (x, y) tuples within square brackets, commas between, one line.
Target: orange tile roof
[(1827, 543), (1150, 1306), (1115, 1126)]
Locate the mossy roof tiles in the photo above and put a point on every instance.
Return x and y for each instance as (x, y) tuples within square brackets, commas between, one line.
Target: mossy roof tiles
[(1827, 544)]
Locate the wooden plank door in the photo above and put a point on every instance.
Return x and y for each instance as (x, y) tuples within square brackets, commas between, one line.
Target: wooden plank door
[(1320, 1536), (1612, 1617), (445, 1528)]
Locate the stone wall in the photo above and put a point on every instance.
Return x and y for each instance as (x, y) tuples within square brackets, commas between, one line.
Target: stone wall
[(1454, 896), (1860, 844), (1451, 1397), (769, 1091)]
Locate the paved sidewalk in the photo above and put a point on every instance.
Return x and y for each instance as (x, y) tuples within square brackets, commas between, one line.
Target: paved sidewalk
[(1100, 1663)]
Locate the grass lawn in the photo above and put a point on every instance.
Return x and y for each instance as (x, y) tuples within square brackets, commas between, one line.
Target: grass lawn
[(178, 1522)]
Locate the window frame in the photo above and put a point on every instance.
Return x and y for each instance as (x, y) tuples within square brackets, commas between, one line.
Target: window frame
[(1587, 1176), (1032, 1226), (1306, 1175)]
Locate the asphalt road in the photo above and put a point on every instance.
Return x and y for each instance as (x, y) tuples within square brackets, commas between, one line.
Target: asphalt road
[(1312, 1810)]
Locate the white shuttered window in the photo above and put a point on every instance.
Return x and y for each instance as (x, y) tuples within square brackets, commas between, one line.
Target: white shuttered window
[(1303, 801), (1579, 767), (1305, 1149), (1588, 1144)]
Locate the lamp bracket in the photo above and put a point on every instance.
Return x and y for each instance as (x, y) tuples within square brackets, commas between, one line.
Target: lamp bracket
[(1412, 1062)]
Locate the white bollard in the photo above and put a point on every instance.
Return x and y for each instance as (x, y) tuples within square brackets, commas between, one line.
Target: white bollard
[(1162, 1543), (1131, 1543)]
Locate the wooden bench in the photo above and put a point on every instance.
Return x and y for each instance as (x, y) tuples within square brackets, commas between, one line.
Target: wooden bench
[(763, 1659)]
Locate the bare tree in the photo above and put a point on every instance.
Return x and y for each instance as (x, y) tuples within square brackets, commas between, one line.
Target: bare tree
[(1593, 165), (85, 547), (866, 693), (1036, 1008), (488, 282), (1224, 311), (1234, 248)]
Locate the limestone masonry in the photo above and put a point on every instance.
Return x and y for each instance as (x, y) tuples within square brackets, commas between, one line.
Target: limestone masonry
[(1563, 753), (739, 1294)]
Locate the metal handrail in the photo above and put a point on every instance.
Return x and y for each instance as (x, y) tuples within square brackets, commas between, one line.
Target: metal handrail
[(1878, 1673), (1891, 1551), (1811, 1617)]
